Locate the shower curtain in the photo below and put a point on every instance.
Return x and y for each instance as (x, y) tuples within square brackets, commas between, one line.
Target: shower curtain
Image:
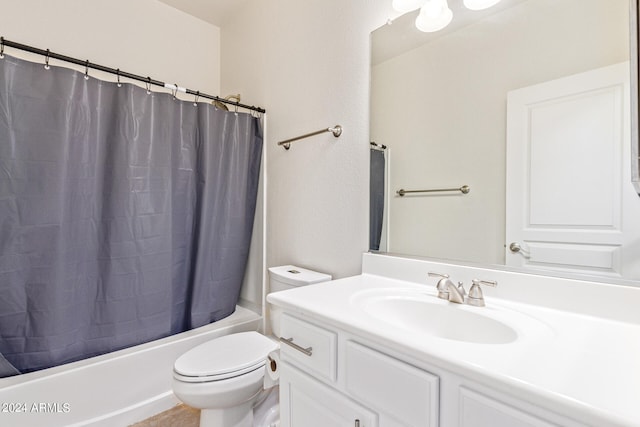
[(125, 215), (376, 198)]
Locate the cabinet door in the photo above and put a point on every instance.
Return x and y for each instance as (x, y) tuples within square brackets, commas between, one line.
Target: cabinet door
[(401, 394), (477, 410), (306, 402)]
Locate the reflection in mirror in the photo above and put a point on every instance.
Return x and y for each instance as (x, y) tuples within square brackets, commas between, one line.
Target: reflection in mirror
[(377, 185), (528, 104), (635, 75)]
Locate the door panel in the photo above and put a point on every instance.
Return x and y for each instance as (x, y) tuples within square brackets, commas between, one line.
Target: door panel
[(567, 141)]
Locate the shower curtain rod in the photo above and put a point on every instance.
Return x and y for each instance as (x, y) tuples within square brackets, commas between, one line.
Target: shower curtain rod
[(147, 80), (377, 146)]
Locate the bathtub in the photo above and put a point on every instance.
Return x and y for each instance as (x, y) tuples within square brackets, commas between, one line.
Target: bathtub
[(115, 389)]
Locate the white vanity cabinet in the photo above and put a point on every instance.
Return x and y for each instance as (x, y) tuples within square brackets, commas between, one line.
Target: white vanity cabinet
[(329, 379), (388, 351)]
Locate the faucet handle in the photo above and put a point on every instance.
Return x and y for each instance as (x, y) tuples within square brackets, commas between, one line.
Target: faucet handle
[(491, 283), (434, 274), (475, 293), (443, 284)]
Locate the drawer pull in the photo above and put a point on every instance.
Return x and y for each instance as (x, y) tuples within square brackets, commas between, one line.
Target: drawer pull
[(289, 342)]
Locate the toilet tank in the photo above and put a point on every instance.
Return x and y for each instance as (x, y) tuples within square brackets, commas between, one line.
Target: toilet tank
[(287, 277)]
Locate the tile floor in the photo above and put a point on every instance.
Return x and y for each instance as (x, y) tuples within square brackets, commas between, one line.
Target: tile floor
[(178, 416)]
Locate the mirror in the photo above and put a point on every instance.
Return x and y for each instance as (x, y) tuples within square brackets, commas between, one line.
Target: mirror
[(634, 37), (476, 104)]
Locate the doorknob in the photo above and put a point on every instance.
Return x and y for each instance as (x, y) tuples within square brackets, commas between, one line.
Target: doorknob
[(515, 247)]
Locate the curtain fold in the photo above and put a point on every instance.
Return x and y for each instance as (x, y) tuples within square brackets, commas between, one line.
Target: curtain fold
[(124, 216)]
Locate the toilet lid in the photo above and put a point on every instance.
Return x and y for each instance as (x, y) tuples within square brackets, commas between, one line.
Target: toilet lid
[(226, 356)]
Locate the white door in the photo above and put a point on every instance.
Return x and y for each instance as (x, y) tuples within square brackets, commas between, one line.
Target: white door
[(569, 191)]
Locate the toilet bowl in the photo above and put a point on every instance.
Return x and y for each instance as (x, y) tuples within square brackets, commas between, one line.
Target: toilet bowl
[(224, 377)]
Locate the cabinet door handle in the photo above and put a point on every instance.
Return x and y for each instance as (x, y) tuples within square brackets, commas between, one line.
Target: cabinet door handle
[(289, 341)]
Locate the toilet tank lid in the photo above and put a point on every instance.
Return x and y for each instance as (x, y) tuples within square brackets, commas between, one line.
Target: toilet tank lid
[(297, 276)]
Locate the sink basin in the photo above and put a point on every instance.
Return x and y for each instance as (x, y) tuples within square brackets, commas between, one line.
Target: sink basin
[(426, 314)]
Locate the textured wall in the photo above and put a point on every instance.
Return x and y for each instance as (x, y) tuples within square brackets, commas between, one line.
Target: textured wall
[(143, 37), (307, 62)]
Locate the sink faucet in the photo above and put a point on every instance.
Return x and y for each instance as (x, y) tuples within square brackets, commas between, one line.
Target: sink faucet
[(447, 289)]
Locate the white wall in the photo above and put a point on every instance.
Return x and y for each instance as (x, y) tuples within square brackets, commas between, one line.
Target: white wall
[(143, 37), (444, 119), (307, 62)]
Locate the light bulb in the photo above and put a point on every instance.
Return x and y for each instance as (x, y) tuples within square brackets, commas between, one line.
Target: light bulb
[(432, 9), (434, 16), (479, 4), (406, 5)]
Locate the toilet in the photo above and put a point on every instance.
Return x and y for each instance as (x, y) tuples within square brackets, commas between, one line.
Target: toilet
[(224, 377)]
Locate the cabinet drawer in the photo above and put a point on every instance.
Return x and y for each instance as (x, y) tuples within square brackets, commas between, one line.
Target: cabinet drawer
[(320, 343), (477, 410), (402, 393)]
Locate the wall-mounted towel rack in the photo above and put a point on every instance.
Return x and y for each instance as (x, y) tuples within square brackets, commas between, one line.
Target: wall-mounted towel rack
[(464, 190), (336, 130)]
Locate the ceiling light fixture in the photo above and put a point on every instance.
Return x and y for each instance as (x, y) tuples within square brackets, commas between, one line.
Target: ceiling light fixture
[(479, 4), (406, 5), (435, 14)]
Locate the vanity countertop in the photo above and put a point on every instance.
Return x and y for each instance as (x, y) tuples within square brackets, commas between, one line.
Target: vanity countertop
[(582, 366)]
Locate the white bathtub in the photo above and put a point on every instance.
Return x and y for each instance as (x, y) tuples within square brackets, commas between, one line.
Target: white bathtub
[(111, 390)]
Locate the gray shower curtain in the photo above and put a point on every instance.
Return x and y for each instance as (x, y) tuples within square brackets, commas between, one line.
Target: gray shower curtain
[(124, 216), (376, 198)]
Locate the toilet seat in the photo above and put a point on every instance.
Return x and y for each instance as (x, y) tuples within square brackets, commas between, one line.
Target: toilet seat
[(223, 358)]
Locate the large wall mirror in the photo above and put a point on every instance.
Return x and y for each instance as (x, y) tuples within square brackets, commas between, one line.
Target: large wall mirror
[(531, 105)]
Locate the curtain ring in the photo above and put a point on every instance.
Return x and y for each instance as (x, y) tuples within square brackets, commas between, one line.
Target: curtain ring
[(86, 70), (46, 60), (1, 47), (118, 74), (235, 110), (195, 101), (174, 92), (148, 83)]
